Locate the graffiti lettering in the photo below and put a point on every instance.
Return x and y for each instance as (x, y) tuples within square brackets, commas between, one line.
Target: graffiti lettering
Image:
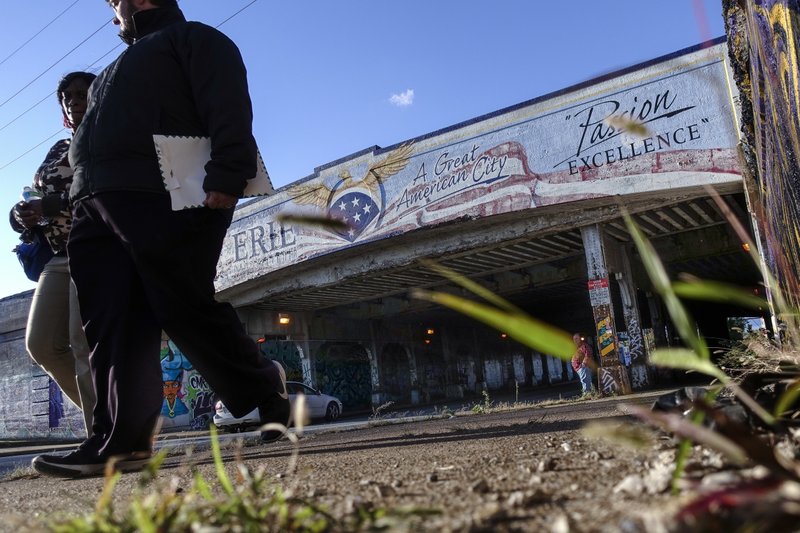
[(203, 403), (635, 335), (198, 382), (638, 376), (608, 383)]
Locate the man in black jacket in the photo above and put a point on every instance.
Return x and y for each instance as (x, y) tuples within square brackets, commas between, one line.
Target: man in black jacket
[(141, 267)]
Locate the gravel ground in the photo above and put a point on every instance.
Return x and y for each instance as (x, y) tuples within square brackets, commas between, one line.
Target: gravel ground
[(528, 469)]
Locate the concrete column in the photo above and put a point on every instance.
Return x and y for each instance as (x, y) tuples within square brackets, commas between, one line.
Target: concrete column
[(453, 390), (630, 309), (416, 396), (304, 347), (613, 377), (378, 396)]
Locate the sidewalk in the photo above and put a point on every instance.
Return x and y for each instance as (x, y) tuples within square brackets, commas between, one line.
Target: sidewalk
[(557, 391)]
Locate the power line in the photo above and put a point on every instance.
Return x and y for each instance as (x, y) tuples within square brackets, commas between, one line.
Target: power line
[(49, 95), (229, 18), (48, 69), (30, 150), (31, 108), (35, 35), (89, 66), (96, 61)]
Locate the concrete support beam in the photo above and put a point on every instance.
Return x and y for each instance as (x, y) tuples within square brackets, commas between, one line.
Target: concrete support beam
[(633, 341), (613, 377)]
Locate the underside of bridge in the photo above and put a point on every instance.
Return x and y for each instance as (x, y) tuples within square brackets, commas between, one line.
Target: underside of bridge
[(546, 273)]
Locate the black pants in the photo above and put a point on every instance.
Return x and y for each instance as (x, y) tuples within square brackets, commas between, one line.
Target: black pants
[(141, 268)]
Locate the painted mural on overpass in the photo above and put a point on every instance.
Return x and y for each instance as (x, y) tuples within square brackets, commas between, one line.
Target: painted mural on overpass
[(570, 147)]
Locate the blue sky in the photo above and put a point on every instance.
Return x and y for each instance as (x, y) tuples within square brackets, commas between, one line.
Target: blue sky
[(331, 78)]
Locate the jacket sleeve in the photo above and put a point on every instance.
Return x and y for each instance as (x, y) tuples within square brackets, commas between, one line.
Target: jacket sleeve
[(218, 81), (56, 204)]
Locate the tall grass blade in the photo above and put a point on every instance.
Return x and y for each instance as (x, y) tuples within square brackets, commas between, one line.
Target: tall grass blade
[(663, 286), (714, 291), (782, 307), (313, 221), (474, 288), (788, 398), (752, 404), (687, 360), (682, 427), (219, 465), (529, 331), (628, 435), (104, 501)]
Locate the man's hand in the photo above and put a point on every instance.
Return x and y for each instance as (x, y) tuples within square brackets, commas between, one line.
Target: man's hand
[(28, 213), (219, 200)]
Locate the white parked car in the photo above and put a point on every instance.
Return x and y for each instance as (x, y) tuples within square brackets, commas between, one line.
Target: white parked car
[(319, 406)]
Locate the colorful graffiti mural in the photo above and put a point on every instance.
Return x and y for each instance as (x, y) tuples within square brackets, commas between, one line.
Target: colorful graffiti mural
[(605, 334), (188, 400)]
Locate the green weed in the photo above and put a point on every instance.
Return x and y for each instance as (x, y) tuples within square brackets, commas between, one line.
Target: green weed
[(485, 406), (251, 502)]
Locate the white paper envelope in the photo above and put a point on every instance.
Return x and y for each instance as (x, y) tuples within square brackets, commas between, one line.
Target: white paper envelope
[(183, 160)]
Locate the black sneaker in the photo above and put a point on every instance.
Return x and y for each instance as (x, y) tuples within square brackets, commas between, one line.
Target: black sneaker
[(276, 410), (83, 462)]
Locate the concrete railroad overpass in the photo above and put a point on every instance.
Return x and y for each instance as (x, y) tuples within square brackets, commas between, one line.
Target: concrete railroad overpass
[(526, 201)]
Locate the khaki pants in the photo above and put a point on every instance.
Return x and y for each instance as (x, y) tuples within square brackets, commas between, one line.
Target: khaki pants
[(55, 339)]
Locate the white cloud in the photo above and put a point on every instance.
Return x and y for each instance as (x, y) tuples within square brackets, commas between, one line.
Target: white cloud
[(403, 99)]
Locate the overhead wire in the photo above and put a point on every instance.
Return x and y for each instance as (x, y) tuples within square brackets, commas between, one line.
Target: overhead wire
[(48, 69), (87, 67), (31, 108), (35, 35), (30, 150), (242, 9), (49, 95)]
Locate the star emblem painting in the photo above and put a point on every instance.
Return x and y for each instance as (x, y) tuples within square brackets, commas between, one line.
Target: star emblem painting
[(359, 204)]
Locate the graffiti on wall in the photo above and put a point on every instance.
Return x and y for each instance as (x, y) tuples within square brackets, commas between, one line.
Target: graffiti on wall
[(636, 344), (538, 372), (286, 353), (624, 348), (395, 373), (188, 400), (639, 378), (605, 334), (343, 370), (610, 383), (550, 152), (518, 361), (494, 373)]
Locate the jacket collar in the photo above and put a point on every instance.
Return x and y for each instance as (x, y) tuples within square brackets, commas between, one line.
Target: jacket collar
[(151, 20)]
